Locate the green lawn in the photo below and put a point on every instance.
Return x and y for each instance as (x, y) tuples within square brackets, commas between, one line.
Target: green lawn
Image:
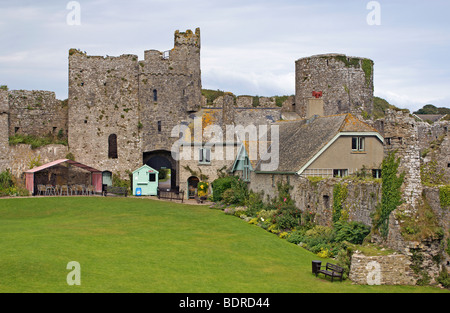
[(141, 245)]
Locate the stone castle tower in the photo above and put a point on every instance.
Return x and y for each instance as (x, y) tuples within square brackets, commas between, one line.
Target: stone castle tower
[(122, 110), (344, 85)]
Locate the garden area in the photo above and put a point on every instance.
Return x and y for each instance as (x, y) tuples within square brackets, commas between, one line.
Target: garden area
[(281, 217), (151, 246), (339, 240)]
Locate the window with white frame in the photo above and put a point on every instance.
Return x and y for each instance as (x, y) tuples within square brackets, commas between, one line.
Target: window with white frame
[(340, 173), (358, 143), (204, 156)]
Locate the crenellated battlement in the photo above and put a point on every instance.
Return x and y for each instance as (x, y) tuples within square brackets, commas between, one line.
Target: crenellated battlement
[(188, 38)]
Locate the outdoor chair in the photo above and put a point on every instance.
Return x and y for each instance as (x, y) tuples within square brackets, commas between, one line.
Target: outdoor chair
[(41, 189), (90, 190), (64, 189), (49, 190)]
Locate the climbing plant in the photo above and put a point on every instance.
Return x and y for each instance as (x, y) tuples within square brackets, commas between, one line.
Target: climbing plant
[(444, 196), (339, 195), (391, 196)]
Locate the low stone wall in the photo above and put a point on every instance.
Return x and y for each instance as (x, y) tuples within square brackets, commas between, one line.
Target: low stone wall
[(317, 197), (391, 269)]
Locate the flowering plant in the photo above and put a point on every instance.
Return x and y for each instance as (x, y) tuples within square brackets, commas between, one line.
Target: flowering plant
[(202, 188)]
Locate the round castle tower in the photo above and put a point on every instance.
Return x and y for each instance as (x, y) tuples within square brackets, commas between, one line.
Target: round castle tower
[(344, 85)]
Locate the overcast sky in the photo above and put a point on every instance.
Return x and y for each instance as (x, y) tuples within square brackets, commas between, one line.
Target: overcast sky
[(248, 47)]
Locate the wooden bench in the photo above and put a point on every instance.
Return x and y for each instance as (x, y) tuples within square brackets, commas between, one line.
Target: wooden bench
[(331, 270), (171, 194), (115, 190)]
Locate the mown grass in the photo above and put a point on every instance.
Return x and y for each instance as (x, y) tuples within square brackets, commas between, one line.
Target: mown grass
[(141, 245)]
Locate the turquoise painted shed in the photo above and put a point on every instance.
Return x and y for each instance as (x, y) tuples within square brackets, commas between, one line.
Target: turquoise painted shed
[(145, 181)]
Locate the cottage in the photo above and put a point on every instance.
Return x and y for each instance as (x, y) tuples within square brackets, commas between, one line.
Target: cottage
[(329, 146)]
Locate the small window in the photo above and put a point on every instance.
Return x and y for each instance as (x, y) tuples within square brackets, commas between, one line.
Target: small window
[(204, 156), (326, 201), (388, 141), (448, 164), (340, 173), (155, 95), (112, 146), (16, 130), (358, 143), (376, 173), (159, 126), (246, 171), (152, 177)]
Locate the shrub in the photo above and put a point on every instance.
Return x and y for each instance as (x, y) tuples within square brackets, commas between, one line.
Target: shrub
[(288, 217), (220, 185), (296, 236), (254, 203), (9, 187), (6, 180), (353, 232)]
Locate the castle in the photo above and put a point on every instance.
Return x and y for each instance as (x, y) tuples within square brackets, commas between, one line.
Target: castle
[(121, 111)]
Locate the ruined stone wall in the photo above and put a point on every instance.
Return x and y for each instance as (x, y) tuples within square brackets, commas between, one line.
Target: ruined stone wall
[(4, 131), (37, 113), (103, 101), (316, 197), (401, 135), (22, 156), (382, 270), (431, 194), (346, 83)]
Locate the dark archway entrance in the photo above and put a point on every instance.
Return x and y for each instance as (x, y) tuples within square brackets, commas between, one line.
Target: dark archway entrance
[(192, 186), (162, 161)]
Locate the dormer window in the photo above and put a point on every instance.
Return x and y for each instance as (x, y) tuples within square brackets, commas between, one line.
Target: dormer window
[(357, 143)]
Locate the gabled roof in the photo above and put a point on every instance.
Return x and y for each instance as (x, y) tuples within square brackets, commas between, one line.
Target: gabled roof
[(57, 162), (301, 141), (146, 167)]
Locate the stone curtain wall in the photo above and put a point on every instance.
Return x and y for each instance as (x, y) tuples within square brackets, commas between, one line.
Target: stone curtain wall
[(317, 197), (381, 270), (346, 83), (4, 131), (37, 113)]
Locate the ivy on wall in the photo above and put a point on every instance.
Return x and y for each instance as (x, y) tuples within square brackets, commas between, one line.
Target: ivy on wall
[(340, 193), (391, 196), (444, 196)]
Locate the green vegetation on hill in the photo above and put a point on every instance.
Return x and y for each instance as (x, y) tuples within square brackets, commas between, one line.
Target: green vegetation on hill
[(380, 106), (431, 109), (211, 95)]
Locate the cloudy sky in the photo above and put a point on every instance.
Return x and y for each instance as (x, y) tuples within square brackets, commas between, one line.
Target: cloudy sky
[(248, 46)]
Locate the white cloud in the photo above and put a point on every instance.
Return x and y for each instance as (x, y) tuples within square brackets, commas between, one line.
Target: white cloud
[(247, 47)]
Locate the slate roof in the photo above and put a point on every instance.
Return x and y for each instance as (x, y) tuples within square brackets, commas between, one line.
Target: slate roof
[(301, 140)]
